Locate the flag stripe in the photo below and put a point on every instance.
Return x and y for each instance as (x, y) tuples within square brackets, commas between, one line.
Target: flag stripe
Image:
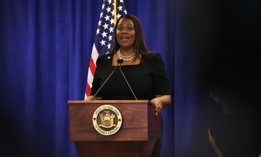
[(88, 90), (91, 70), (92, 66)]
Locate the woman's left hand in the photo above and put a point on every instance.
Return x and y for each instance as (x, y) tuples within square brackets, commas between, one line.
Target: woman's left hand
[(157, 105), (159, 102)]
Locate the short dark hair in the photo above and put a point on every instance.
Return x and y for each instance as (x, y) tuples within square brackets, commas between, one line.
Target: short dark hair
[(139, 43)]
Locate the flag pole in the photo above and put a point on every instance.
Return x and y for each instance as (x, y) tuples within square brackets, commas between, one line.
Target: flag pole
[(115, 12)]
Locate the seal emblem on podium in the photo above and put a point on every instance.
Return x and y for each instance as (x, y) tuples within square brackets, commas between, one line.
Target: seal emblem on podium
[(107, 120)]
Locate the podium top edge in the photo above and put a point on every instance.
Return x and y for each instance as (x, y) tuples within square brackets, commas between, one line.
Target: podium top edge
[(106, 101)]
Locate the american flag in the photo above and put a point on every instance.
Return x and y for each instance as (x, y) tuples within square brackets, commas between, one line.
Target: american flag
[(104, 35)]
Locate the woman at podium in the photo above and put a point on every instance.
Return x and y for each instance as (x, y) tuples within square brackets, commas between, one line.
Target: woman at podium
[(131, 71)]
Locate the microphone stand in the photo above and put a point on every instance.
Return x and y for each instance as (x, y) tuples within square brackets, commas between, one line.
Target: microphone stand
[(105, 82), (120, 61)]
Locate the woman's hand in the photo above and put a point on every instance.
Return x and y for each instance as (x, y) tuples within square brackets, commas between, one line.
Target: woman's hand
[(159, 102), (157, 105), (93, 98)]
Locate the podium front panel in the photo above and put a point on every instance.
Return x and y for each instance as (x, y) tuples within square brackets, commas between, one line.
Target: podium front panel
[(134, 124)]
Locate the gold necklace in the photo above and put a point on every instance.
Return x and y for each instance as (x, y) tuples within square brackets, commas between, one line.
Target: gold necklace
[(125, 58)]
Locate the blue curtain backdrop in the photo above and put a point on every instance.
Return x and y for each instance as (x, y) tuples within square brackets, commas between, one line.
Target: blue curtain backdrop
[(45, 46)]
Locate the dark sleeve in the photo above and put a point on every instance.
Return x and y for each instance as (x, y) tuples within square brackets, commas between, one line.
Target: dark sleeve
[(159, 75)]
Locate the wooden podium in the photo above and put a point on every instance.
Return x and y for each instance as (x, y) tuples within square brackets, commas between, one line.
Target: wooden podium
[(136, 138)]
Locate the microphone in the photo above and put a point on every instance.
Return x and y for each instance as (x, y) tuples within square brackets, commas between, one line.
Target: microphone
[(120, 61)]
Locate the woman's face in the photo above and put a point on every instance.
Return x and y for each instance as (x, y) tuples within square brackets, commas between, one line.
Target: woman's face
[(125, 33)]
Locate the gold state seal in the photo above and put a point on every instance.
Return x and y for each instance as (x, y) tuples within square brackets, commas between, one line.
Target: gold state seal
[(107, 120)]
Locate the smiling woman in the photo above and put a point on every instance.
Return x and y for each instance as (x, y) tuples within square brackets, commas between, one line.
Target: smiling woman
[(125, 33), (144, 71)]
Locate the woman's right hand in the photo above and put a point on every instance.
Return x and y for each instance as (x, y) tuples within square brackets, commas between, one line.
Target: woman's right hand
[(93, 98)]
